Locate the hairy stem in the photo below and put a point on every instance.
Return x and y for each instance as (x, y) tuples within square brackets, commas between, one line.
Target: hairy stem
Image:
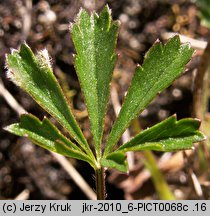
[(100, 183)]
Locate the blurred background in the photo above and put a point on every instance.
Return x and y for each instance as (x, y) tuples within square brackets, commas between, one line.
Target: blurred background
[(30, 172)]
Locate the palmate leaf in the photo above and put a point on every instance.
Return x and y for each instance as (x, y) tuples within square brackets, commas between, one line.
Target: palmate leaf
[(46, 135), (35, 76), (162, 65), (168, 135), (95, 38)]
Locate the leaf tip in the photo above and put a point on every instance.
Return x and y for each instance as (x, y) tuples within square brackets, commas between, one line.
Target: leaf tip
[(80, 14), (24, 45), (204, 137), (25, 51), (188, 47), (14, 63), (6, 128), (79, 18), (175, 37), (174, 116), (107, 8), (45, 119), (81, 10), (138, 66), (76, 19), (10, 128), (198, 120)]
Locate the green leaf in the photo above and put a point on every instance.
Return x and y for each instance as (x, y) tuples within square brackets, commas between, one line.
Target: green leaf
[(115, 160), (162, 65), (204, 12), (46, 135), (169, 135), (95, 38), (34, 74)]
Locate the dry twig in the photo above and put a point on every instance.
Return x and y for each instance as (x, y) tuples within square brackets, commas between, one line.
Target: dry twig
[(11, 100), (24, 195)]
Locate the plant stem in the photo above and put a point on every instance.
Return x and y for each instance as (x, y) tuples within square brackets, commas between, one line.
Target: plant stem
[(201, 96), (201, 89), (160, 184), (100, 183)]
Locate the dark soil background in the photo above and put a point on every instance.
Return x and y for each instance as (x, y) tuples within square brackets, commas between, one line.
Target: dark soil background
[(26, 166)]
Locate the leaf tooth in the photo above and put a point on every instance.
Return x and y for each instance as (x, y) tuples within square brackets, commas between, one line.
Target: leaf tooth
[(117, 23), (6, 128), (187, 44), (71, 24), (198, 120), (13, 51), (157, 41), (77, 18), (107, 9)]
